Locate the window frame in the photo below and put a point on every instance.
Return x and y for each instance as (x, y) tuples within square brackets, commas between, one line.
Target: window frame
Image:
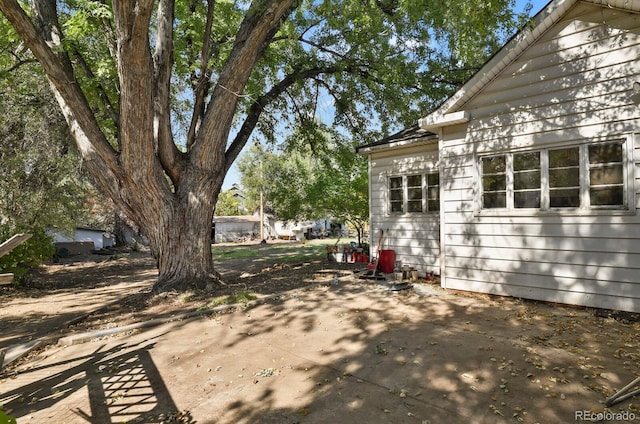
[(425, 189), (628, 205), (391, 201)]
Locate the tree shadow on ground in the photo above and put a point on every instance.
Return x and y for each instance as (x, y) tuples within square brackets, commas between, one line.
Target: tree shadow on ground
[(353, 352), (122, 382), (402, 358)]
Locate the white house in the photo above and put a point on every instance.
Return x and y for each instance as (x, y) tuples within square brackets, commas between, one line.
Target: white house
[(100, 238), (232, 228), (526, 182), (404, 196)]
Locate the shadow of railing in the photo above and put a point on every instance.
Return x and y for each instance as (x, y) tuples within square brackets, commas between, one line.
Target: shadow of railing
[(123, 385)]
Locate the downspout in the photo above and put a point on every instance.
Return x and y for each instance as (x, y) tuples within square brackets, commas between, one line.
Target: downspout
[(443, 273), (370, 208)]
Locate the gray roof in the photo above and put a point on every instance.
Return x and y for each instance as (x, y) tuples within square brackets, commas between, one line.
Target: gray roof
[(409, 135)]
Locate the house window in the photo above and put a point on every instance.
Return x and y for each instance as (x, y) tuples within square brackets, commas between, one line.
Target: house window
[(396, 195), (564, 178), (494, 182), (414, 193), (433, 192), (586, 176), (606, 179), (526, 180)]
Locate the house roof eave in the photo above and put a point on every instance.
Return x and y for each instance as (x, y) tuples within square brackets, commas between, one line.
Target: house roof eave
[(435, 121), (410, 136)]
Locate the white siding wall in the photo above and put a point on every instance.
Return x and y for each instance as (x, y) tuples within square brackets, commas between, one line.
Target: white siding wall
[(415, 237), (574, 85)]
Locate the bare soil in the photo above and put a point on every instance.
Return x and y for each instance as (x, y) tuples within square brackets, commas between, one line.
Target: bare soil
[(351, 352), (129, 277)]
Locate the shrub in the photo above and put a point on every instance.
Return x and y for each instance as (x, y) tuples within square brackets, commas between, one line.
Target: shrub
[(29, 255), (5, 418)]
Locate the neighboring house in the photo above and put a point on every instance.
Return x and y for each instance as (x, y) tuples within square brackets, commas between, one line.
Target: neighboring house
[(309, 229), (538, 160), (233, 228), (83, 239), (295, 230)]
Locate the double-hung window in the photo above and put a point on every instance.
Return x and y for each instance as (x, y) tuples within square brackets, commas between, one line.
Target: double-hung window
[(588, 176), (606, 175), (564, 178), (415, 193), (494, 182), (526, 180), (396, 195)]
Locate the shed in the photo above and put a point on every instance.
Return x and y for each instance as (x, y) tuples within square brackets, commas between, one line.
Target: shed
[(538, 166), (233, 228), (83, 239)]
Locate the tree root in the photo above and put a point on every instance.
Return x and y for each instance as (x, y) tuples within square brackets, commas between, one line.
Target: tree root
[(184, 284)]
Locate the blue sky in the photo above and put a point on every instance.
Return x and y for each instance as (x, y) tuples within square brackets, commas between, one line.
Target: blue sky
[(233, 176), (537, 5)]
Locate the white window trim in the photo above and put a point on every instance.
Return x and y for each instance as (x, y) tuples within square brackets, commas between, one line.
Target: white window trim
[(628, 207), (405, 193)]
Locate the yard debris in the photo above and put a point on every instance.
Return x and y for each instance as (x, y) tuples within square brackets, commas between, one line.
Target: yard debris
[(178, 417), (268, 372), (425, 290), (624, 393), (396, 286), (381, 350), (276, 267), (15, 241)]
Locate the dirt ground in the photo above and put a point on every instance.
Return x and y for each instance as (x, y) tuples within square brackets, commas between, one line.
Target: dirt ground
[(351, 351), (118, 288)]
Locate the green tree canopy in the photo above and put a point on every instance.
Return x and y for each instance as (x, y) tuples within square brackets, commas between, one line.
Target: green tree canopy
[(300, 184), (228, 204), (43, 184)]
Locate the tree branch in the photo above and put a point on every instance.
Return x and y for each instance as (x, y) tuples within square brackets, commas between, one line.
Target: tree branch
[(256, 109), (136, 72), (337, 99), (389, 8), (110, 38), (102, 93), (18, 63), (171, 158), (323, 48), (202, 83), (254, 35)]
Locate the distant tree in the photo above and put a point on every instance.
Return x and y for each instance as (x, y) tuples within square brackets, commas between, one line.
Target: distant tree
[(43, 184), (299, 183), (228, 204), (256, 166), (290, 185), (342, 188)]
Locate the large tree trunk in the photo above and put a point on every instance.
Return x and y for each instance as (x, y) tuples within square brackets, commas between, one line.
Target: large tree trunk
[(179, 231), (183, 251), (169, 193)]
